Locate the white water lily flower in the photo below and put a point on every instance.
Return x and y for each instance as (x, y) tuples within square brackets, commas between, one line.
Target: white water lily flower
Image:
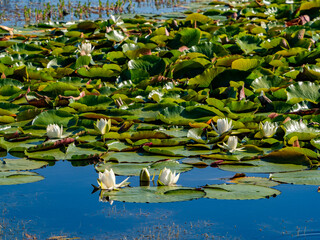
[(271, 11), (223, 125), (268, 129), (155, 95), (107, 180), (168, 178), (231, 145), (298, 126), (85, 49), (54, 131), (103, 126), (118, 21)]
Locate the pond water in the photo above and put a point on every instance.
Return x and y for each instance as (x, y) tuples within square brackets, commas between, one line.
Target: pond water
[(62, 204), (13, 13)]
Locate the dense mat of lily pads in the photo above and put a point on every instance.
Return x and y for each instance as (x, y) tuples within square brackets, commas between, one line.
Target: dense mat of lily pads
[(235, 87)]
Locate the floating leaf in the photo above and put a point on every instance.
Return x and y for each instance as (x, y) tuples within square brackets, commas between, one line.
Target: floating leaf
[(249, 43), (245, 64), (151, 64), (20, 164), (133, 157), (54, 117), (258, 166), (239, 191), (311, 177), (303, 91), (254, 181), (18, 177), (123, 169), (153, 194)]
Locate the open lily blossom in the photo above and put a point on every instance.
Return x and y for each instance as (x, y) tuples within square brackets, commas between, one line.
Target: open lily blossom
[(107, 180), (232, 144), (268, 129), (103, 126), (223, 125), (167, 177), (54, 131), (298, 126), (85, 49)]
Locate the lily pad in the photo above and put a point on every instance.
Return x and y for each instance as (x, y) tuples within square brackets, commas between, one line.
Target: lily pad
[(303, 91), (123, 169), (20, 164), (18, 177), (311, 177), (133, 157), (239, 191), (258, 166), (55, 117), (153, 194), (255, 181)]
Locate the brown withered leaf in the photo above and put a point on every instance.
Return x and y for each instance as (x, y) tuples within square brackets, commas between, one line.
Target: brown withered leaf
[(298, 21), (10, 30), (39, 101)]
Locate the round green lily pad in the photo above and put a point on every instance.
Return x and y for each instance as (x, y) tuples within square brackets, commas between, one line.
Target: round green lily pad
[(172, 165), (258, 166), (239, 191), (255, 181), (123, 169), (311, 177), (20, 164), (18, 177), (133, 157), (153, 194)]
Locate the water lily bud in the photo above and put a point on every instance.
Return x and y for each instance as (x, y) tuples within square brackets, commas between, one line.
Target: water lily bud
[(144, 175)]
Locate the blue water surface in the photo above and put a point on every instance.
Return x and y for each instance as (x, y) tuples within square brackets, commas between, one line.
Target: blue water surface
[(62, 204)]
